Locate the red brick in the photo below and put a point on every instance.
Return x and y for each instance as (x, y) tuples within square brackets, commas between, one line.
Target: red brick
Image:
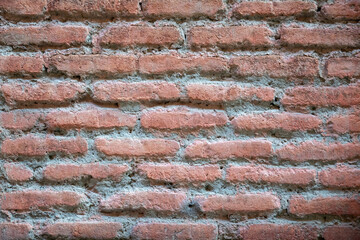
[(165, 201), (343, 67), (182, 118), (17, 172), (342, 10), (62, 172), (182, 8), (31, 199), (274, 9), (19, 120), (277, 121), (341, 233), (314, 150), (296, 176), (345, 123), (340, 177), (36, 146), (230, 37), (49, 35), (137, 147), (98, 65), (21, 65), (238, 204), (99, 9), (83, 230), (218, 93), (23, 8), (15, 231), (167, 64), (229, 149), (276, 66), (175, 231), (135, 91), (274, 232), (339, 206), (138, 35), (321, 37), (42, 92), (344, 96), (90, 118), (180, 174)]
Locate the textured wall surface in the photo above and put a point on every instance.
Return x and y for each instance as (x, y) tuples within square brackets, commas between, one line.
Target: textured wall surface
[(179, 119)]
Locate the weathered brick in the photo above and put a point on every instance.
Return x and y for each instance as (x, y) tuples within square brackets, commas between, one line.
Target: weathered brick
[(217, 93), (343, 67), (23, 8), (19, 120), (98, 65), (135, 91), (343, 123), (137, 35), (48, 35), (15, 231), (99, 9), (314, 150), (344, 96), (342, 10), (273, 9), (137, 147), (175, 231), (257, 174), (229, 149), (180, 174), (17, 172), (338, 206), (167, 64), (276, 66), (42, 92), (277, 121), (238, 204), (62, 172), (340, 177), (348, 37), (274, 232), (230, 37), (341, 233), (91, 118), (165, 201), (182, 8), (32, 199), (36, 146), (21, 65), (83, 230), (182, 118)]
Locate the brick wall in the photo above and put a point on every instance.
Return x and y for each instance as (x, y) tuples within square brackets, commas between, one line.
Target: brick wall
[(179, 119)]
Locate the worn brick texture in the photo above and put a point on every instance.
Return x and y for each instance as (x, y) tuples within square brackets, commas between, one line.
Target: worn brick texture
[(180, 119)]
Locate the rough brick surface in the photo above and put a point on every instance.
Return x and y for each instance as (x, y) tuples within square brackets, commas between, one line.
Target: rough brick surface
[(325, 205), (174, 231), (273, 9), (93, 230), (297, 176), (50, 35), (229, 149), (180, 119), (224, 204), (137, 147), (39, 199), (230, 37), (17, 172)]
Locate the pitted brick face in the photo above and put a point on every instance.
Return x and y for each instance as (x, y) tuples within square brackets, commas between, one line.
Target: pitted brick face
[(179, 119)]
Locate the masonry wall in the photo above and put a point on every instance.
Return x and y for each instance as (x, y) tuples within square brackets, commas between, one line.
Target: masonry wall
[(179, 119)]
